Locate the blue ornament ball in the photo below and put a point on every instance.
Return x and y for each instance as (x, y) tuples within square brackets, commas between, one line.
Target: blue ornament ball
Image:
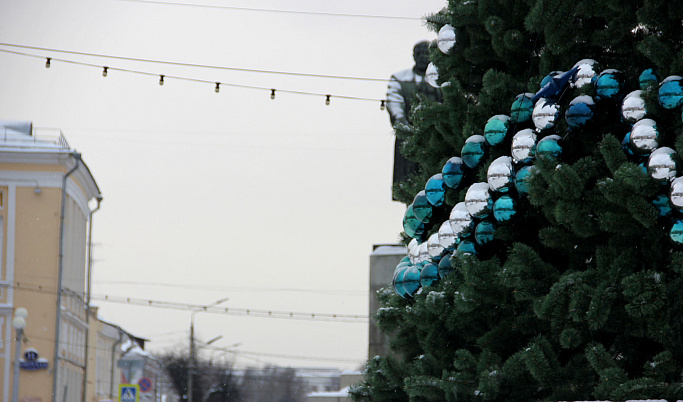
[(676, 232), (663, 205), (484, 232), (648, 78), (522, 177), (671, 92), (411, 280), (445, 266), (429, 274), (473, 151), (580, 111), (435, 190), (522, 108), (452, 172), (549, 147), (496, 129), (466, 247), (411, 224), (549, 78), (609, 84), (504, 209), (397, 282), (421, 207)]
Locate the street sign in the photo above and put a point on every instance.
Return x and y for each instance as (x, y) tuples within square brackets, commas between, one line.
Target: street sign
[(145, 384), (129, 393)]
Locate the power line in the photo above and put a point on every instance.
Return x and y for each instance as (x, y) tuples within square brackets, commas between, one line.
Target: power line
[(163, 77), (277, 11), (175, 63)]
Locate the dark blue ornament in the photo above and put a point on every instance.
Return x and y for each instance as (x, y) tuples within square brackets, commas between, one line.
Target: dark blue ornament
[(556, 85), (484, 232), (580, 111), (496, 129), (671, 92), (522, 107), (435, 189), (648, 78), (549, 77), (549, 147), (421, 207), (473, 151), (504, 209), (429, 274), (609, 84), (445, 267), (411, 280), (452, 172)]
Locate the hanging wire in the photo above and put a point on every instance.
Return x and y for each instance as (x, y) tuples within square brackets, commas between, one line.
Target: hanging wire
[(217, 89)]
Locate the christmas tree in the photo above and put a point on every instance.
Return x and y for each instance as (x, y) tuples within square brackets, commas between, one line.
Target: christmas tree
[(545, 228)]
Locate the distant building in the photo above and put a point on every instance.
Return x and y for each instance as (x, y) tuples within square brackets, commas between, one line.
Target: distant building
[(46, 196), (383, 261)]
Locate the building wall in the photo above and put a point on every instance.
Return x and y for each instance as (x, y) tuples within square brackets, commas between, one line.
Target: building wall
[(383, 261)]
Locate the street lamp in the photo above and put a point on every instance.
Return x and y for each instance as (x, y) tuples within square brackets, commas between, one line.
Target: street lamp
[(19, 323), (193, 358)]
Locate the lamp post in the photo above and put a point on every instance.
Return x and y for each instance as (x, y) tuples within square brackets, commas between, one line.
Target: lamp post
[(19, 323), (193, 358)]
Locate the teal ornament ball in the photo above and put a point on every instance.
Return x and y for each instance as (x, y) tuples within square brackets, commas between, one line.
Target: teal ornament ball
[(504, 209), (609, 84), (429, 274), (549, 147), (473, 151), (411, 224), (546, 80), (461, 220), (411, 280), (523, 147), (452, 172), (663, 205), (580, 111), (397, 281), (500, 174), (478, 200), (435, 190), (644, 137), (648, 78), (626, 144), (522, 177), (676, 194), (545, 114), (676, 232), (586, 73), (466, 247), (661, 165), (421, 207), (447, 238), (445, 267), (522, 108), (496, 129), (633, 107), (671, 92), (484, 232)]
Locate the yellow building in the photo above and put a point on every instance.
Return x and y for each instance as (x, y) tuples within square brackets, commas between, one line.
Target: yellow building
[(46, 199)]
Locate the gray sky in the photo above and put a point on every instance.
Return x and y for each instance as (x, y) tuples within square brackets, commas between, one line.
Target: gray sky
[(273, 203)]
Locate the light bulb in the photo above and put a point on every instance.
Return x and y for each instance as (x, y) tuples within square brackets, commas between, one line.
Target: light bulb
[(21, 312), (327, 99), (47, 63), (104, 71), (19, 323), (218, 87), (382, 105), (272, 94), (161, 79)]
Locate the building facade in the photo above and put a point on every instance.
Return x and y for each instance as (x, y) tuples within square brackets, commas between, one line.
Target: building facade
[(46, 192)]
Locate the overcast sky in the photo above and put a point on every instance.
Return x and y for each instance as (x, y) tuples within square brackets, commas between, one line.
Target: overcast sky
[(275, 204)]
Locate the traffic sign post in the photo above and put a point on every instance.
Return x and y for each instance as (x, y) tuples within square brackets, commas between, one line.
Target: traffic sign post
[(129, 393), (145, 384)]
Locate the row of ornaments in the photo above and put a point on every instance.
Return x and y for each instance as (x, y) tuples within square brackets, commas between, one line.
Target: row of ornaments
[(456, 232)]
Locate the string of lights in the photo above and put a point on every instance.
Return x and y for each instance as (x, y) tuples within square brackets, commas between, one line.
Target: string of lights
[(275, 10), (175, 63), (170, 305), (163, 78)]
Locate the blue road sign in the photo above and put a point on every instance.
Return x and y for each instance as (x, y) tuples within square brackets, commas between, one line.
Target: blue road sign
[(129, 393)]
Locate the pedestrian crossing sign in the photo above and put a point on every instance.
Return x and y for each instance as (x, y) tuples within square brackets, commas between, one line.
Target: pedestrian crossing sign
[(129, 393)]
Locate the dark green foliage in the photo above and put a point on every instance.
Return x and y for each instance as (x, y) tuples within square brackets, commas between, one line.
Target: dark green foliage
[(581, 297)]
